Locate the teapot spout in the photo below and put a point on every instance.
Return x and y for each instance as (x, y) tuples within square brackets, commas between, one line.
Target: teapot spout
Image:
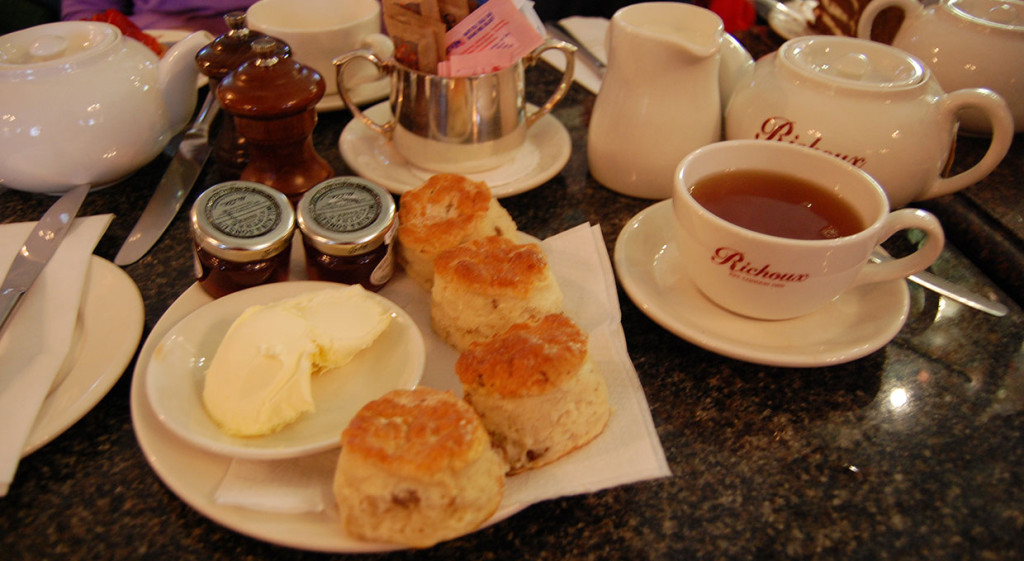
[(177, 79)]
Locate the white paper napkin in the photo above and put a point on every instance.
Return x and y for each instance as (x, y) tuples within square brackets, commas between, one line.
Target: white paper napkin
[(627, 451), (589, 32), (38, 336)]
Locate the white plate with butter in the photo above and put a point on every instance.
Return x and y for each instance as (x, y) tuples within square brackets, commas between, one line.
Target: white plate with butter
[(176, 375)]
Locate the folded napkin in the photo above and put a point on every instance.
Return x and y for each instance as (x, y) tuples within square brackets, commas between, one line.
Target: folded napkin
[(39, 333), (589, 33), (627, 451)]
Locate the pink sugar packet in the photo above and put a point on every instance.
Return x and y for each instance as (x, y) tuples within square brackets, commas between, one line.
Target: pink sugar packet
[(496, 34), (474, 64)]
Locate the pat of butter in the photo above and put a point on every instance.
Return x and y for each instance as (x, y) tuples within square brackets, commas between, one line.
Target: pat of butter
[(259, 378)]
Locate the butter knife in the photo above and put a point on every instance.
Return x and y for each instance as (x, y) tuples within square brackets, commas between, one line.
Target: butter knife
[(173, 188), (39, 247), (558, 32), (948, 289)]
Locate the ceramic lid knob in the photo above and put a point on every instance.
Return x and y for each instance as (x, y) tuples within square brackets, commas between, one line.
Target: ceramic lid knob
[(230, 50)]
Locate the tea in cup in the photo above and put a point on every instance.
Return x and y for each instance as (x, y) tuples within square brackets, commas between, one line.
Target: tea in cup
[(318, 30), (457, 124), (776, 231)]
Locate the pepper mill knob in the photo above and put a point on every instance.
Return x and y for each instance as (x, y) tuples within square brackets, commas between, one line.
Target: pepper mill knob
[(273, 101), (224, 54)]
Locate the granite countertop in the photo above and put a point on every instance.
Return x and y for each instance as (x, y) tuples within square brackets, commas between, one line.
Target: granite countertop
[(912, 452)]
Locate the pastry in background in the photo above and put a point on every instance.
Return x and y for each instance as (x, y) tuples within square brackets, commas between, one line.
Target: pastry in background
[(447, 210), (485, 286), (537, 390), (417, 468), (840, 17)]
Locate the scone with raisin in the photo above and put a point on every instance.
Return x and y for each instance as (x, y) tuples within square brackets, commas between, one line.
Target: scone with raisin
[(447, 210), (485, 286), (417, 468), (537, 390)]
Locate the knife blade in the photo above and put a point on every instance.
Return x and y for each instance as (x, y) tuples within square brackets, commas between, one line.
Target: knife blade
[(948, 289), (174, 186), (558, 32), (39, 247)]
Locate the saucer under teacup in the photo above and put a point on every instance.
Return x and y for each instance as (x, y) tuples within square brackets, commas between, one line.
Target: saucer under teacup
[(857, 323), (544, 153)]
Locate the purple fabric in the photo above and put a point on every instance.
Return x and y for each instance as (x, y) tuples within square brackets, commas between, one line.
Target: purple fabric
[(160, 14)]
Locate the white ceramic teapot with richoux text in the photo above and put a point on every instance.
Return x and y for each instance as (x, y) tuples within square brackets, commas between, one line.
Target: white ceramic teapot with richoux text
[(670, 66), (872, 105), (967, 44), (82, 103)]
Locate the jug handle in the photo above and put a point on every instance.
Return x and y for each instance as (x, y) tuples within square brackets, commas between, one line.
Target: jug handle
[(569, 50), (998, 113), (384, 68), (910, 8)]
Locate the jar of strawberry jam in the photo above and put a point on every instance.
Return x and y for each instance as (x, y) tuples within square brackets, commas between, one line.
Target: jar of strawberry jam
[(242, 234), (348, 230)]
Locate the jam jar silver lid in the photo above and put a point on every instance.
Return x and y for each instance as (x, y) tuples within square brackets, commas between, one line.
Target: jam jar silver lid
[(242, 221), (345, 216)]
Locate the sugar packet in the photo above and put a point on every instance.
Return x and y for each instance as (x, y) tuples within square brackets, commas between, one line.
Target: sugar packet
[(493, 37)]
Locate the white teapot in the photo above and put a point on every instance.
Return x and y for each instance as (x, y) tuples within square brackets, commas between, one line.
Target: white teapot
[(967, 44), (82, 103), (872, 105)]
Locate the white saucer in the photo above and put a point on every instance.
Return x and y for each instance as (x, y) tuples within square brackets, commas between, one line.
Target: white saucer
[(100, 353), (546, 151), (363, 94), (859, 322), (193, 474), (789, 27), (175, 377)]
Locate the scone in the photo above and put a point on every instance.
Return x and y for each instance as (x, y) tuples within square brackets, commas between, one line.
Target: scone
[(537, 390), (445, 211), (416, 468), (484, 286)]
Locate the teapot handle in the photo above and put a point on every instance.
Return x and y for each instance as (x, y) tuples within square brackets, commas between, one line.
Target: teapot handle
[(569, 50), (998, 113), (910, 8)]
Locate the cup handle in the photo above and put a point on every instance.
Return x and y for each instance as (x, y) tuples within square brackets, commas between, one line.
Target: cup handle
[(919, 260), (999, 115), (384, 68), (529, 60), (867, 17)]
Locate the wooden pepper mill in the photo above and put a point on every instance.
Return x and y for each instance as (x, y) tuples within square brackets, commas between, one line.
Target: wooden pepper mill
[(273, 101), (226, 53)]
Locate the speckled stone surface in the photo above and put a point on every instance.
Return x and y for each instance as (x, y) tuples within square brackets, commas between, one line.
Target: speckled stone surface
[(914, 452)]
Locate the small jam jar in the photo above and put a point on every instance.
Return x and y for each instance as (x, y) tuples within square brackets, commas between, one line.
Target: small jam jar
[(348, 228), (242, 236)]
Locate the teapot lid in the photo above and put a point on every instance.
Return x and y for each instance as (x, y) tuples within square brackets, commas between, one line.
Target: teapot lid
[(50, 44), (228, 51), (1006, 14), (851, 62), (270, 85)]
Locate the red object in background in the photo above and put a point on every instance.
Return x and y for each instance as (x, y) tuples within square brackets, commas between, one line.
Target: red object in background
[(129, 29), (737, 15)]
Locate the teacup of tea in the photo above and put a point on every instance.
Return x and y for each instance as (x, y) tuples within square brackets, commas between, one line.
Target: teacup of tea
[(317, 30), (775, 231), (457, 124)]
